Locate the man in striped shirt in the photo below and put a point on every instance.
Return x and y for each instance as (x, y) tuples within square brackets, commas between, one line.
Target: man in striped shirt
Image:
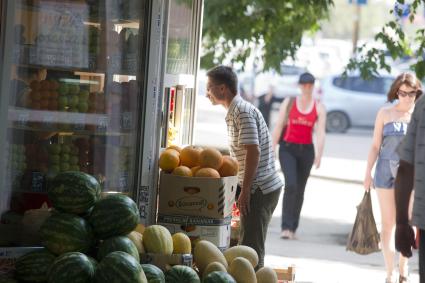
[(251, 144)]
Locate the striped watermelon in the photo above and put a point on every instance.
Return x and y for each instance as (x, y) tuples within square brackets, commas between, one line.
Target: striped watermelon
[(71, 267), (33, 266), (181, 274), (63, 232), (219, 277), (120, 267), (114, 215), (153, 273), (120, 243), (74, 192)]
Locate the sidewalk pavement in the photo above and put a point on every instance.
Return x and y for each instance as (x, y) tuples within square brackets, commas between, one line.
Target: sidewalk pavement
[(339, 169)]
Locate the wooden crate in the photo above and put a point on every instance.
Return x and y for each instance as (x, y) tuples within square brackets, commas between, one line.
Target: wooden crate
[(285, 275)]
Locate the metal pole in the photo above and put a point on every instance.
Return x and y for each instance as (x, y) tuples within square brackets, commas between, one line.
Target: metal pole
[(356, 27)]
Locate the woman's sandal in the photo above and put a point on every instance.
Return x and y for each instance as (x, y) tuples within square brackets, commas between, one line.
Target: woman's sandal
[(403, 279)]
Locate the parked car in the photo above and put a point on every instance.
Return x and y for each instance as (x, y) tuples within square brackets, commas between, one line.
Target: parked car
[(353, 101), (284, 84)]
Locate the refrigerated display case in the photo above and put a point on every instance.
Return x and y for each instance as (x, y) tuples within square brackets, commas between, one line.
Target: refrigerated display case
[(83, 87)]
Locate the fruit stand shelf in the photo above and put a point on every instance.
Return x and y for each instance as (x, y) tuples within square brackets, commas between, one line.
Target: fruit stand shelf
[(108, 70), (72, 122)]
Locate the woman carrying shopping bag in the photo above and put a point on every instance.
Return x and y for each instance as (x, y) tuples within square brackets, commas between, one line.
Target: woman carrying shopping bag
[(390, 128)]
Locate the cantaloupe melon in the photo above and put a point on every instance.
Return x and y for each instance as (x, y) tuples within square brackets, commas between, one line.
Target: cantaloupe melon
[(241, 251), (243, 272), (206, 252), (266, 275)]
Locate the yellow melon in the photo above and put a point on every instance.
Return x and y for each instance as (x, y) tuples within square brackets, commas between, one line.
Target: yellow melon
[(211, 158), (207, 172), (230, 166), (182, 171), (189, 156), (168, 160), (181, 244)]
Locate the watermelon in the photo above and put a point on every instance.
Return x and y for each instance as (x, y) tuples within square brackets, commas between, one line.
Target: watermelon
[(73, 192), (114, 215), (63, 232), (93, 262), (181, 274), (33, 266), (71, 267), (153, 273), (7, 280), (120, 267), (120, 243), (219, 277)]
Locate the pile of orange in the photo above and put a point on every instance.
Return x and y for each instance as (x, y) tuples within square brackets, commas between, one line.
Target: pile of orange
[(43, 95), (193, 161)]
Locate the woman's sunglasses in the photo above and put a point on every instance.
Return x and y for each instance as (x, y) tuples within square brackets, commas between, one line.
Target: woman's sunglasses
[(413, 93)]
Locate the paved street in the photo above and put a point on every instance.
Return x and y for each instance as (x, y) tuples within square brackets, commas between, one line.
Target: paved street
[(319, 253), (332, 195)]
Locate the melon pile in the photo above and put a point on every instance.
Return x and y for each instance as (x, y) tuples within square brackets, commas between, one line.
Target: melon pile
[(193, 161), (236, 264), (85, 238)]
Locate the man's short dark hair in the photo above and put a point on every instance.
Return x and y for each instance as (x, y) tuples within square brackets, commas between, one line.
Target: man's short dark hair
[(224, 75), (306, 78)]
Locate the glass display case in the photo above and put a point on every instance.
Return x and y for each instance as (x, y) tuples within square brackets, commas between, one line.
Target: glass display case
[(71, 91)]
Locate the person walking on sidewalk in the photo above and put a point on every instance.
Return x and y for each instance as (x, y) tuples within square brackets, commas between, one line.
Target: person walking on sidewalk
[(250, 144), (390, 128), (297, 119), (411, 175)]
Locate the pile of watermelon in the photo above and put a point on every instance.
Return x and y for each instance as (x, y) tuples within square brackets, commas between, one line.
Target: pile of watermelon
[(85, 237)]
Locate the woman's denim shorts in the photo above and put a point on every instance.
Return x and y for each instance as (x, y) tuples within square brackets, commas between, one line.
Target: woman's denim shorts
[(385, 173)]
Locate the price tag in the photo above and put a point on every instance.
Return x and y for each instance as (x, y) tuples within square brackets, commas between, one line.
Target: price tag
[(23, 119), (102, 123), (143, 202), (126, 120), (123, 180)]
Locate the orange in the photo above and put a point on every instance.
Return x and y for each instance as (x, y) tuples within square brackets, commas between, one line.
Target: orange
[(175, 147), (169, 160), (229, 167), (189, 156), (211, 158), (182, 171), (207, 172), (195, 169)]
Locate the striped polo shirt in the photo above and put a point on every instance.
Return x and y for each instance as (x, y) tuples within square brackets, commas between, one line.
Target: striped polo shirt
[(412, 150), (246, 126)]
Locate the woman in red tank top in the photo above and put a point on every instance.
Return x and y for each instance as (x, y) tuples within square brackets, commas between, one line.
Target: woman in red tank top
[(298, 117)]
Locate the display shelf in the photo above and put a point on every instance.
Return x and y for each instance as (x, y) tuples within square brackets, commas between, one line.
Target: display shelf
[(75, 123), (107, 70)]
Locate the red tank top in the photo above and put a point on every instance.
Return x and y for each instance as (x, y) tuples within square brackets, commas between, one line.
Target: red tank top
[(299, 128)]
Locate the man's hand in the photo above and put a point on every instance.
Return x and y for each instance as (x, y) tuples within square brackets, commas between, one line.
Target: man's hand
[(405, 239), (243, 202)]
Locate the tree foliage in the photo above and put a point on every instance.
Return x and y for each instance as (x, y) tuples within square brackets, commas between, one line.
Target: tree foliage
[(276, 26), (398, 44)]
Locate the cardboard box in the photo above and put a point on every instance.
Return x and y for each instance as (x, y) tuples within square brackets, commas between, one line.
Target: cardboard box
[(8, 257), (164, 261), (201, 197), (216, 231), (285, 275)]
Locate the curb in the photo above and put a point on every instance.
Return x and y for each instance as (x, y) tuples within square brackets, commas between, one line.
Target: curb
[(336, 179)]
